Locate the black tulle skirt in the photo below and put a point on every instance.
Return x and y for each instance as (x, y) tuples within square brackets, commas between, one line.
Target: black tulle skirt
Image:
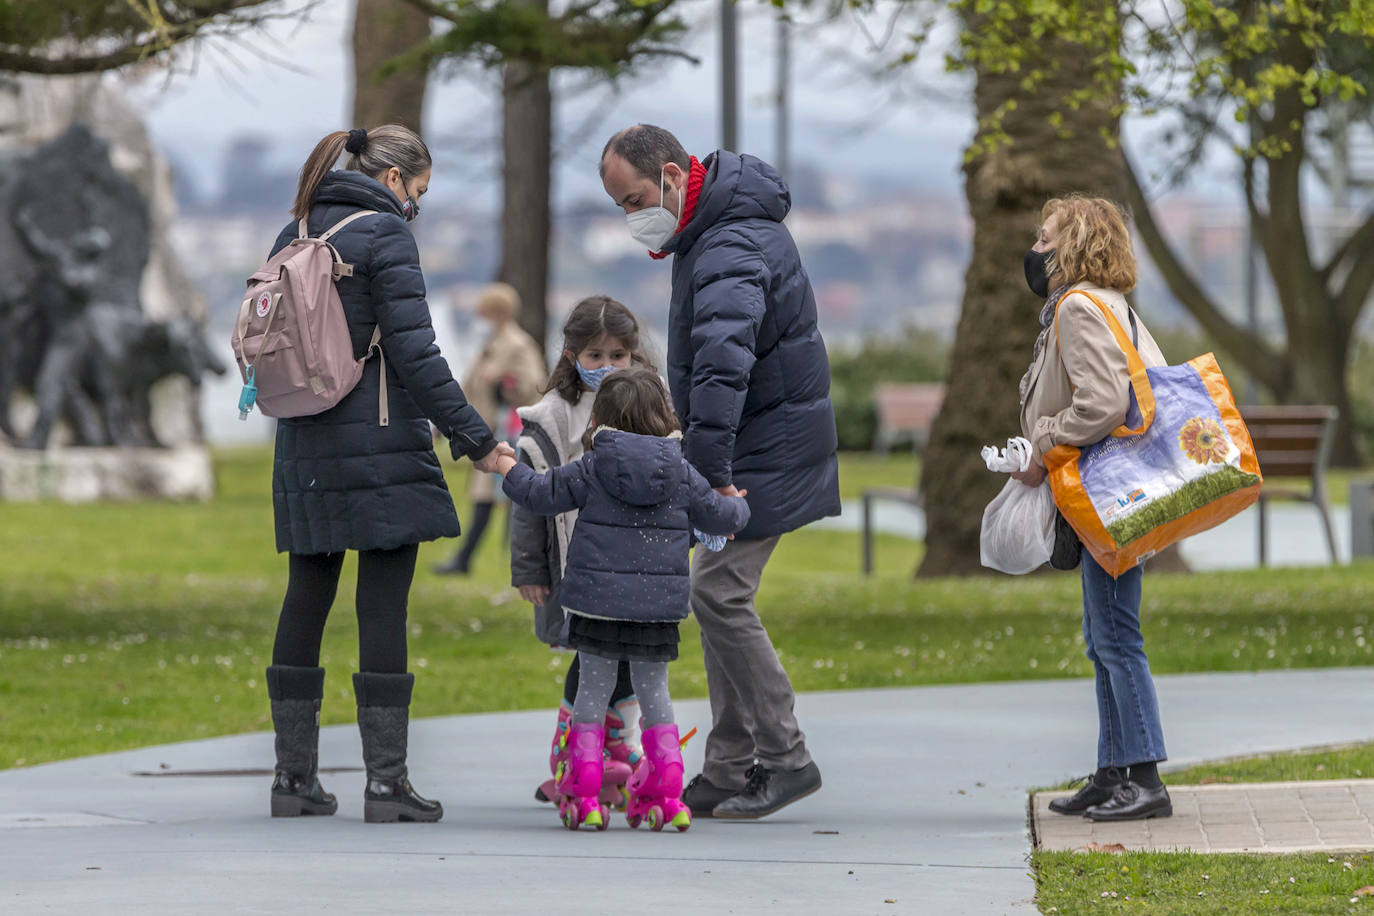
[(621, 639)]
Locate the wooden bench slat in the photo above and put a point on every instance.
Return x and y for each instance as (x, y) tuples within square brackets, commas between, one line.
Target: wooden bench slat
[(1263, 414)]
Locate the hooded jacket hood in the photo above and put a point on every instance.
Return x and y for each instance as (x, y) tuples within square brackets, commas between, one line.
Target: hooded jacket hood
[(342, 186), (736, 187), (639, 470)]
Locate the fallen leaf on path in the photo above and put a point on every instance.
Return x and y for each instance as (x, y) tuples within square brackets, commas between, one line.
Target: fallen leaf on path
[(1100, 847), (890, 900)]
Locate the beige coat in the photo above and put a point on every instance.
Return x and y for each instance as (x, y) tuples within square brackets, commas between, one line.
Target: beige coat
[(1080, 386), (508, 352)]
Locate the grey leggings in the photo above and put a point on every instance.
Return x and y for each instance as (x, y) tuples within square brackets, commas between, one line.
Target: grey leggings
[(597, 679)]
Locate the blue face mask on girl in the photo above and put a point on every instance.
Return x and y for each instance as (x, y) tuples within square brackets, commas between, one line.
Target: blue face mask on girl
[(593, 378)]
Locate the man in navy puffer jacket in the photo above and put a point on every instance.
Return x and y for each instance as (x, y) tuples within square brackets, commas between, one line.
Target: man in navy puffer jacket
[(750, 382)]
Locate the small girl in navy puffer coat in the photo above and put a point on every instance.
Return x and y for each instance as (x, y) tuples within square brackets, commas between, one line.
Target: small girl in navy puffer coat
[(626, 584)]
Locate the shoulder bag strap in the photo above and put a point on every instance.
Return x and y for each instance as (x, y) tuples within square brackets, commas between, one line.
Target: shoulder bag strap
[(1140, 382)]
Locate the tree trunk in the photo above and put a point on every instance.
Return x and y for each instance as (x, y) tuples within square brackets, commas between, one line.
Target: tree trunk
[(998, 323), (383, 30), (1311, 365), (527, 141)]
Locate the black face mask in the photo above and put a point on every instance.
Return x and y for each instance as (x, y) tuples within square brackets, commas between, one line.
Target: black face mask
[(1036, 278), (410, 207)]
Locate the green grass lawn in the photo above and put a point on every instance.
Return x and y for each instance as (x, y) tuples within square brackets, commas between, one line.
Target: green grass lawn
[(1201, 885), (127, 625), (1179, 884)]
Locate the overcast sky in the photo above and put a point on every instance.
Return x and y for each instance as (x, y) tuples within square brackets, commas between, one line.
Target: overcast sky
[(291, 82)]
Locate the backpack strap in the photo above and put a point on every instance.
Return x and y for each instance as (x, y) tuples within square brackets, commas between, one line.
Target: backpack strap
[(329, 233), (340, 268), (383, 411)]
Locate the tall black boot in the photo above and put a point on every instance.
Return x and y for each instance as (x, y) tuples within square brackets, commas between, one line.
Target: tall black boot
[(459, 563), (295, 694), (384, 722)]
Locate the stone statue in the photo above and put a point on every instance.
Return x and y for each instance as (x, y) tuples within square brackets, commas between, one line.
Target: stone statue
[(72, 331)]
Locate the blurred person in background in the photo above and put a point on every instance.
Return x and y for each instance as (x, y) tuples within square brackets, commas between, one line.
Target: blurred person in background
[(509, 373)]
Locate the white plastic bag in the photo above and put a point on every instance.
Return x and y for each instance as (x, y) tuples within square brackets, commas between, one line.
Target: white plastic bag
[(1012, 459), (1018, 529)]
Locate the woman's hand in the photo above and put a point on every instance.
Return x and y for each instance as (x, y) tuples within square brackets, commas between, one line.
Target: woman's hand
[(1032, 476), (535, 594), (489, 463)]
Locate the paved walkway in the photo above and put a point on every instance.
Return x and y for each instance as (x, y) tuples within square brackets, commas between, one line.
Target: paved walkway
[(1325, 816), (923, 812)]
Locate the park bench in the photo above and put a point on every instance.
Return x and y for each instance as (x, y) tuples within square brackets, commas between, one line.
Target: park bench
[(1293, 442), (905, 411)]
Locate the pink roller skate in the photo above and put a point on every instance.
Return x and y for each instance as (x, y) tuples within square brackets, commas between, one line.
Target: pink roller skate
[(579, 777), (622, 751), (656, 786), (619, 764)]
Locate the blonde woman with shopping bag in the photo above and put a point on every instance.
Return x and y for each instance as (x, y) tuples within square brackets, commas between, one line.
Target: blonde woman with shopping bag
[(1075, 393)]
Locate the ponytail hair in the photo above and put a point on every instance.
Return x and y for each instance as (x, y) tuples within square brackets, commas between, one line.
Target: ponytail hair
[(371, 152)]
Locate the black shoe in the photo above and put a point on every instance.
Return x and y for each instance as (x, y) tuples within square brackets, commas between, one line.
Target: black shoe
[(293, 796), (1132, 802), (387, 801), (1094, 793), (770, 790), (702, 796)]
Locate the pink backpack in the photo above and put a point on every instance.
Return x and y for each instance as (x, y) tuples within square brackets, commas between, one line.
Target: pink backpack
[(291, 338)]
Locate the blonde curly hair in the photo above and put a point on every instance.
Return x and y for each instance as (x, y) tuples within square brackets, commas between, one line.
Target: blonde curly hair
[(1092, 243)]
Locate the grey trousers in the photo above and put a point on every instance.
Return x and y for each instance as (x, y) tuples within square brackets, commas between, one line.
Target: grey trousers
[(751, 696)]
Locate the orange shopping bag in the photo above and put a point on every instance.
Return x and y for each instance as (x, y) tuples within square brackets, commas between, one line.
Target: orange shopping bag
[(1183, 462)]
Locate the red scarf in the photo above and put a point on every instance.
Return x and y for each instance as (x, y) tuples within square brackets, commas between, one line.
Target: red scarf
[(696, 175)]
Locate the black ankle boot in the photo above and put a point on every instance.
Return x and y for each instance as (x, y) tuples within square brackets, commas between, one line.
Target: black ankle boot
[(1098, 789), (384, 723), (295, 694)]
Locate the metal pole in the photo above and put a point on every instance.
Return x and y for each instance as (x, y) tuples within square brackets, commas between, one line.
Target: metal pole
[(783, 144), (729, 77)]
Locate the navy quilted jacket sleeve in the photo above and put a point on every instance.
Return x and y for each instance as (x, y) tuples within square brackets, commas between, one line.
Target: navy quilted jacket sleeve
[(711, 513), (729, 280), (529, 535), (398, 295), (560, 490)]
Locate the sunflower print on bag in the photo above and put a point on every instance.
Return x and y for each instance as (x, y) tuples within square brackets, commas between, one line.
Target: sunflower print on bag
[(1203, 440)]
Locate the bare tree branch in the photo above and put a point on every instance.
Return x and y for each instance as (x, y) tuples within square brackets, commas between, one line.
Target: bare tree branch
[(436, 10), (1360, 281), (1359, 242), (1268, 365), (171, 31)]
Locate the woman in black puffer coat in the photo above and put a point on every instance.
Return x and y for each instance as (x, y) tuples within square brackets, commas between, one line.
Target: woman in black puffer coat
[(341, 481)]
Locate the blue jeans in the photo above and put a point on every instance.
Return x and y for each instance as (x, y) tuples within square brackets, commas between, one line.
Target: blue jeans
[(1129, 730)]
